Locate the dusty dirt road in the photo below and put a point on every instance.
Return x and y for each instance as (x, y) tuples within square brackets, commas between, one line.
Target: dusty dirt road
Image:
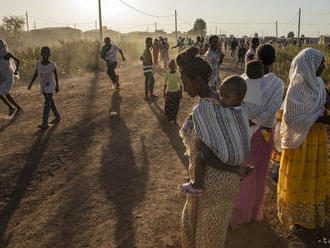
[(96, 180)]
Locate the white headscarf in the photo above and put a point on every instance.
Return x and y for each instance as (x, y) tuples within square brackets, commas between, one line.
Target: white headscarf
[(3, 48), (305, 99)]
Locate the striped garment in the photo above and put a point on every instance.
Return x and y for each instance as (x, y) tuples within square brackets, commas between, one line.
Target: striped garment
[(147, 61), (263, 99), (305, 99), (224, 130)]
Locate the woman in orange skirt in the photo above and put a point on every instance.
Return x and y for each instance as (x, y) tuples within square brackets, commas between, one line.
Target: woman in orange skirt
[(304, 176)]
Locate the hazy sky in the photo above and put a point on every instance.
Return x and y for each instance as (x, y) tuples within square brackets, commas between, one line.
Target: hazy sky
[(240, 17)]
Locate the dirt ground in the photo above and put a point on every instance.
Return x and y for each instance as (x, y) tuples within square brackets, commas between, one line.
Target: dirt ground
[(96, 180)]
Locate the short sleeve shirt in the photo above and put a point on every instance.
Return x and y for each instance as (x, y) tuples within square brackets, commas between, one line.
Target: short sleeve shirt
[(47, 79), (111, 54)]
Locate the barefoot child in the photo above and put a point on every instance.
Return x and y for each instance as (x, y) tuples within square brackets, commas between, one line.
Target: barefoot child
[(48, 86), (7, 79), (109, 54), (172, 92), (146, 59), (227, 141)]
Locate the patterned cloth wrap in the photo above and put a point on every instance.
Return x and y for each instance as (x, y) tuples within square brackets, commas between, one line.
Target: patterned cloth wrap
[(224, 130)]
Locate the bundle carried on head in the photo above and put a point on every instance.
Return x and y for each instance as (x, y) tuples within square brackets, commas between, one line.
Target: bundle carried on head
[(192, 65)]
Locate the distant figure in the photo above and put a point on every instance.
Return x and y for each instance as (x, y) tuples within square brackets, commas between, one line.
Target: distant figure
[(199, 44), (172, 92), (164, 56), (109, 54), (205, 48), (148, 72), (155, 51), (233, 46), (180, 44), (6, 78), (251, 53), (226, 44), (241, 54), (215, 58), (48, 86)]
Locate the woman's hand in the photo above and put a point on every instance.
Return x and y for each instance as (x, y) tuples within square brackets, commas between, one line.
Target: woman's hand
[(244, 171)]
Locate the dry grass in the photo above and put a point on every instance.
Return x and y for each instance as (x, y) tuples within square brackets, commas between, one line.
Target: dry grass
[(284, 58), (72, 58)]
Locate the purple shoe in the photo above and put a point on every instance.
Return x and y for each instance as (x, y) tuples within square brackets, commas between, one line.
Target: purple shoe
[(187, 188)]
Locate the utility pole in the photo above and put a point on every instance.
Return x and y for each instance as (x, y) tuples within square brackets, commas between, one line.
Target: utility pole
[(27, 21), (299, 25), (95, 25), (75, 25), (276, 29), (176, 25), (35, 26), (100, 20), (155, 27), (216, 30)]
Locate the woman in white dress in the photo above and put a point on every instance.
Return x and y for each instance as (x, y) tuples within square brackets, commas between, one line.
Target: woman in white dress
[(7, 78)]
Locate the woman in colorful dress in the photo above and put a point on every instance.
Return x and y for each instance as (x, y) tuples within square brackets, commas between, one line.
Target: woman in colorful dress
[(304, 179), (265, 99)]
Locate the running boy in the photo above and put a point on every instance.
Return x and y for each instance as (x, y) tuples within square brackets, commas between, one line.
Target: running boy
[(232, 145), (146, 59), (172, 92), (109, 54), (48, 86)]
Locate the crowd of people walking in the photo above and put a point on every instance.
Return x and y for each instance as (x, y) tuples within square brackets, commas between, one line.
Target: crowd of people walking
[(229, 135)]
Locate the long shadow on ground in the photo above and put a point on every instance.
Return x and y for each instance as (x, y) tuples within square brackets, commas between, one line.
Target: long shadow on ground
[(172, 132), (121, 177), (23, 182)]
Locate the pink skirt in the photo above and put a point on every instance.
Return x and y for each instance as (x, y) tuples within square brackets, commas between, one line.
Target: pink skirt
[(250, 201)]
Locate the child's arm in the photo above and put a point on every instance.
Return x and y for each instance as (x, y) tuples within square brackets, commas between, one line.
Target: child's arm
[(57, 89), (103, 53), (35, 75), (16, 61), (122, 54), (211, 159)]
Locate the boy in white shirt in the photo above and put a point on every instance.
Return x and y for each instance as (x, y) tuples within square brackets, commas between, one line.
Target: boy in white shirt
[(48, 86), (109, 54)]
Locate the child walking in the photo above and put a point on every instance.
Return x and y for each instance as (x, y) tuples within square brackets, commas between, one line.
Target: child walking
[(228, 137), (172, 92), (48, 86), (146, 59), (7, 78)]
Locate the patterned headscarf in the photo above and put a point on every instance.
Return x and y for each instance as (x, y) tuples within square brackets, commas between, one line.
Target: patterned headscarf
[(305, 99), (3, 48)]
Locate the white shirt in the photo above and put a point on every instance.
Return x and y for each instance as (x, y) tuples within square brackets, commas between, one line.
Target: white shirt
[(213, 58), (111, 55), (248, 54), (47, 79)]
